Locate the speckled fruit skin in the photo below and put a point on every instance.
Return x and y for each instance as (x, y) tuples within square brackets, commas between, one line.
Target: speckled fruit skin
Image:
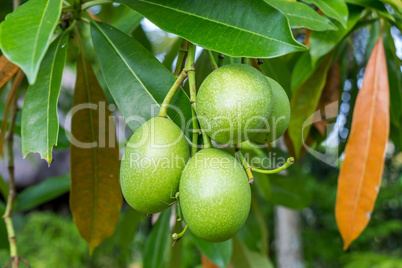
[(232, 103), (279, 118), (150, 174), (214, 195)]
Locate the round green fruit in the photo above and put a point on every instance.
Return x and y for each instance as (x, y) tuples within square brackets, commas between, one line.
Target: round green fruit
[(233, 102), (278, 120), (154, 158), (214, 195)]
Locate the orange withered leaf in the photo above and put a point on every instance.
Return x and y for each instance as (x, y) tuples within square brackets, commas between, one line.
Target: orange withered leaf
[(360, 175), (7, 70)]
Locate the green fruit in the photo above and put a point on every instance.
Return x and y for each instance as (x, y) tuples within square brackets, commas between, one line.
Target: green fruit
[(278, 120), (233, 102), (154, 158), (214, 195)]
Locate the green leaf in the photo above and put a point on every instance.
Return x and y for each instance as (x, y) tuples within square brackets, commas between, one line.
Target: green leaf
[(322, 43), (218, 253), (277, 69), (95, 197), (128, 227), (3, 188), (171, 55), (26, 33), (224, 26), (289, 191), (244, 258), (254, 233), (42, 192), (303, 104), (302, 16), (140, 35), (157, 242), (40, 123), (3, 230), (396, 5), (134, 75), (176, 252), (128, 21), (373, 4), (395, 134), (394, 77), (301, 71), (335, 9)]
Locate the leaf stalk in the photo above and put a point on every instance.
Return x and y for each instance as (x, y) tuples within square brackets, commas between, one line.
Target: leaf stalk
[(212, 60)]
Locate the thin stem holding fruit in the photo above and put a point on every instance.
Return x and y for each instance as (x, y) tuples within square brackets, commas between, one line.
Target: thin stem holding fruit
[(212, 60), (170, 94), (249, 168), (245, 164), (193, 92), (181, 58), (288, 163), (177, 236)]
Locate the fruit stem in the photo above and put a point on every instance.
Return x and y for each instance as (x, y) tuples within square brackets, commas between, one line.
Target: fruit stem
[(212, 60), (181, 58), (245, 164), (177, 237), (170, 94), (288, 163), (193, 93), (250, 168)]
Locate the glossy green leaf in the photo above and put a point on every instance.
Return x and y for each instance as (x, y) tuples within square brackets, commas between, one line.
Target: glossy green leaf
[(25, 34), (95, 197), (40, 123), (221, 25), (277, 69), (373, 4), (140, 35), (218, 253), (128, 21), (171, 55), (63, 141), (335, 9), (42, 192), (322, 43), (244, 258), (134, 75), (158, 241), (302, 16), (301, 71), (303, 104)]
